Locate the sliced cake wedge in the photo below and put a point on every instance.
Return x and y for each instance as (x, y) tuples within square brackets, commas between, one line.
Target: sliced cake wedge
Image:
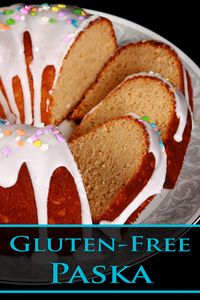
[(154, 98), (123, 164), (143, 56)]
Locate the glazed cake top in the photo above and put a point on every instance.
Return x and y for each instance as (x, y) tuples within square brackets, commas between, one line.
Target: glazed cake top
[(53, 29)]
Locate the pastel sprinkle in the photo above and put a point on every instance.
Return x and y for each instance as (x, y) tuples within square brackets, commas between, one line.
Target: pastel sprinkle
[(29, 140), (81, 18), (55, 132), (145, 118), (61, 5), (2, 122), (10, 22), (45, 19), (4, 26), (77, 11), (44, 147), (20, 143), (9, 12), (48, 129), (6, 151), (52, 20), (60, 138), (37, 143), (24, 11), (68, 21), (55, 8), (1, 135), (22, 18), (21, 132), (39, 132), (17, 138), (69, 37), (17, 18), (33, 13), (74, 23), (7, 132), (62, 13)]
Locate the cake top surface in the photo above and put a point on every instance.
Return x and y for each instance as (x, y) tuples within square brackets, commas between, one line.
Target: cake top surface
[(13, 16)]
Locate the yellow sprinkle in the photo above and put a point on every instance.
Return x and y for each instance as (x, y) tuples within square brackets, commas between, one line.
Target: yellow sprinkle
[(55, 8), (62, 5), (21, 132), (20, 143), (37, 143), (7, 132), (4, 26)]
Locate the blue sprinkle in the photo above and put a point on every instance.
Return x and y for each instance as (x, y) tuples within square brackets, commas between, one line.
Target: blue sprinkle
[(74, 23), (153, 125), (19, 8), (45, 4), (158, 133), (2, 122)]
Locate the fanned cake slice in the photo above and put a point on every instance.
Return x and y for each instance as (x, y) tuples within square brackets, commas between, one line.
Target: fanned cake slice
[(143, 56), (49, 56), (155, 99), (123, 164)]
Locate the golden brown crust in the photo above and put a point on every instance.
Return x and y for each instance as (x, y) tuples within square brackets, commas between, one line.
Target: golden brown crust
[(17, 205)]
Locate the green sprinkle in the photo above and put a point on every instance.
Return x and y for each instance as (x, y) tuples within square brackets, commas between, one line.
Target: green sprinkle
[(33, 13), (77, 11), (9, 12), (10, 22), (145, 118), (52, 20)]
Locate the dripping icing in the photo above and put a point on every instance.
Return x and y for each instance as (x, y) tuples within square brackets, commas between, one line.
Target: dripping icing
[(40, 163), (181, 103), (155, 183), (59, 26)]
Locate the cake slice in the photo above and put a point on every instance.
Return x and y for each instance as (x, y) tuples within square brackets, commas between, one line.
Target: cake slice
[(151, 96), (143, 56), (51, 54), (122, 164)]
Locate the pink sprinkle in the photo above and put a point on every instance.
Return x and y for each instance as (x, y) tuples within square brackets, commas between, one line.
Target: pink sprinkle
[(28, 7), (68, 21), (60, 138), (39, 132), (55, 132), (17, 17), (24, 11), (61, 13), (33, 138), (81, 18), (6, 151), (67, 38), (48, 129)]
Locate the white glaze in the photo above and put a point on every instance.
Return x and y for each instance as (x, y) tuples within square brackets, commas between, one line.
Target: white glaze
[(155, 183), (181, 103), (41, 165), (187, 97), (67, 127), (49, 48)]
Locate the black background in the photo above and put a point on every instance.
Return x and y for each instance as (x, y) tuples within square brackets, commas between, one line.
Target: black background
[(178, 21)]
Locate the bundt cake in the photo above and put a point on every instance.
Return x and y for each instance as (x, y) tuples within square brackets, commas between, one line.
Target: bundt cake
[(149, 95), (123, 164), (49, 56), (142, 56), (40, 181)]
